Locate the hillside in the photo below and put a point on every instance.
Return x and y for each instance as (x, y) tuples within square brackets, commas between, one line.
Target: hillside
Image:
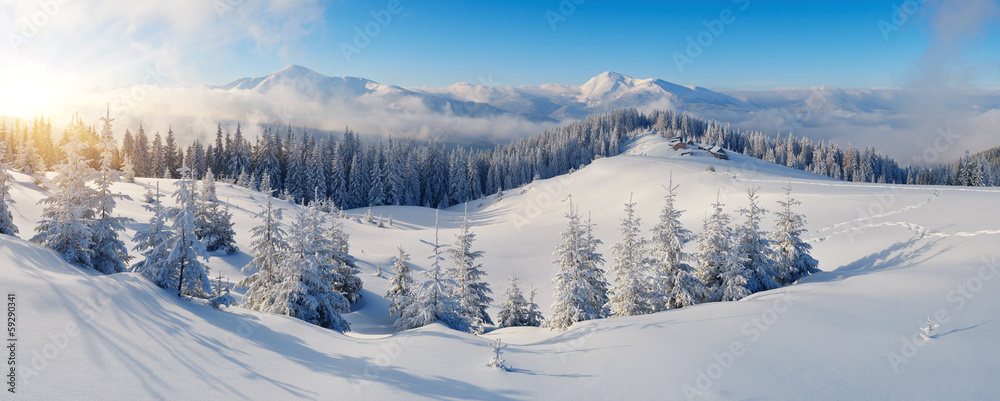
[(891, 256)]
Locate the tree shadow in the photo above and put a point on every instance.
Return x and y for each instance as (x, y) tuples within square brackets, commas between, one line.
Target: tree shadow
[(962, 329)]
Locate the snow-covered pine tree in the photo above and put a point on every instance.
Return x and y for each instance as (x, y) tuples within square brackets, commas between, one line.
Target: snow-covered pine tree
[(305, 286), (714, 251), (269, 246), (629, 296), (344, 265), (674, 283), (128, 169), (470, 289), (149, 241), (514, 309), (108, 253), (215, 225), (534, 316), (577, 295), (735, 277), (7, 226), (400, 293), (752, 245), (182, 268), (791, 253), (69, 210), (434, 301)]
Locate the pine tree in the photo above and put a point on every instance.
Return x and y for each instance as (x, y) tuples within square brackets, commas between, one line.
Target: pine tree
[(514, 309), (67, 218), (263, 271), (714, 251), (630, 296), (109, 253), (468, 274), (305, 286), (215, 226), (7, 226), (434, 301), (534, 315), (400, 293), (752, 244), (347, 283), (578, 294), (791, 253), (674, 282), (172, 256)]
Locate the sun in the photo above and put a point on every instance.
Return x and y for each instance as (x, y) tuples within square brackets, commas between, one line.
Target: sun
[(29, 94)]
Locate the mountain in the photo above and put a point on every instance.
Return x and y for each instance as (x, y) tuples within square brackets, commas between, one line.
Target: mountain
[(551, 103), (355, 92)]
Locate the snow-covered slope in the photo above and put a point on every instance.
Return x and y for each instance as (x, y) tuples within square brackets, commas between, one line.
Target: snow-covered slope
[(891, 255)]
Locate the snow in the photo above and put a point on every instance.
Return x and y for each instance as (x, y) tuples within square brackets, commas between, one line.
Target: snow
[(891, 256)]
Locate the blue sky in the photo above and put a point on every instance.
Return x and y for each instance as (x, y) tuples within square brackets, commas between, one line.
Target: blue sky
[(764, 45)]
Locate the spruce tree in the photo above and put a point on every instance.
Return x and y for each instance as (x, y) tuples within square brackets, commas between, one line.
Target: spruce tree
[(753, 246), (580, 292), (714, 251), (434, 301), (109, 253), (630, 296), (215, 226), (347, 281), (674, 282), (269, 247), (514, 309), (7, 226), (305, 287), (69, 211), (400, 293), (468, 274), (791, 252)]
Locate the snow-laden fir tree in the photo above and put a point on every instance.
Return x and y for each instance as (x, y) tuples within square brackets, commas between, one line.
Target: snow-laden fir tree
[(714, 251), (434, 301), (470, 289), (516, 311), (269, 248), (128, 169), (400, 293), (534, 316), (7, 226), (149, 240), (674, 282), (347, 283), (630, 296), (791, 253), (69, 210), (735, 277), (753, 246), (175, 263), (580, 291), (109, 253), (215, 225), (305, 287)]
